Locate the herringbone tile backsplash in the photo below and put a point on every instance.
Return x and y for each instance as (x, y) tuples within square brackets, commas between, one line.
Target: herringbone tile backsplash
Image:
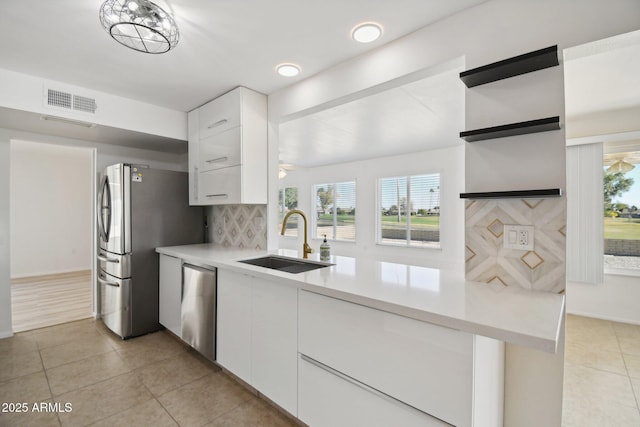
[(486, 260)]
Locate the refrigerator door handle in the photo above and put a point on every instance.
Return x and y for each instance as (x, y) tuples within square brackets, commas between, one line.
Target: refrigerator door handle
[(106, 282), (104, 258), (104, 228)]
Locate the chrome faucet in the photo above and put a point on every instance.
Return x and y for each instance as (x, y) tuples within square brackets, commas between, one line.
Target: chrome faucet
[(306, 249)]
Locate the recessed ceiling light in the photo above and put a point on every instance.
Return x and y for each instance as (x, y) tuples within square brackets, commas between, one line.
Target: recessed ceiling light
[(366, 32), (288, 69)]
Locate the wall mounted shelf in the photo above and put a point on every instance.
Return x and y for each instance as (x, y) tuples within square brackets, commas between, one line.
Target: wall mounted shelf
[(520, 194), (521, 64), (512, 129)]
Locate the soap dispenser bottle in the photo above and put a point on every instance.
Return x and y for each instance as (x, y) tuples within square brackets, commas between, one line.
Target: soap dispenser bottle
[(325, 250)]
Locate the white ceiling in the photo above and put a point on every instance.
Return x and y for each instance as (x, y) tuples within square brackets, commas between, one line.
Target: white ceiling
[(425, 114), (222, 44), (603, 75), (602, 80)]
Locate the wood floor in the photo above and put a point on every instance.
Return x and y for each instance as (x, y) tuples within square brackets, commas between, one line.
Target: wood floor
[(49, 300)]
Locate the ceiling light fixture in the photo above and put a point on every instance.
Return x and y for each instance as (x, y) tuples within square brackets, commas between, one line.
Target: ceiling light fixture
[(140, 25), (620, 166), (288, 69), (366, 32), (282, 172)]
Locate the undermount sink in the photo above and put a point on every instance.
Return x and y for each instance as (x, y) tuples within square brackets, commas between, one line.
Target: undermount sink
[(290, 265)]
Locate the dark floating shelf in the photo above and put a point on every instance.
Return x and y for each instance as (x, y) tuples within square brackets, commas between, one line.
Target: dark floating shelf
[(520, 194), (522, 64), (512, 129)]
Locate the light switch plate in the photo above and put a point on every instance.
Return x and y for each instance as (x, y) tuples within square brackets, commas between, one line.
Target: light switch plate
[(518, 237)]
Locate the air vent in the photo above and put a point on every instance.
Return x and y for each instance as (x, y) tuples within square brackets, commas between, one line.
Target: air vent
[(69, 101), (56, 98), (82, 103)]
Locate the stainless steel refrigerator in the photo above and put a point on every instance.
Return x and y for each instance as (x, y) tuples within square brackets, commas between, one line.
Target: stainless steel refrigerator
[(139, 209)]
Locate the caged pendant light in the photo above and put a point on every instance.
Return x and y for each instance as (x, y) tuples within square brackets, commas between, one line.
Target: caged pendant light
[(140, 25)]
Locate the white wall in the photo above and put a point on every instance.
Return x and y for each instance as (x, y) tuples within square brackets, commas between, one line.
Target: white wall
[(616, 299), (489, 32), (5, 265), (24, 92), (51, 209), (448, 162), (106, 154)]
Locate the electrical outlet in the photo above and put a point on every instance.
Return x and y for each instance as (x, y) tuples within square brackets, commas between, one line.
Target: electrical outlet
[(518, 237)]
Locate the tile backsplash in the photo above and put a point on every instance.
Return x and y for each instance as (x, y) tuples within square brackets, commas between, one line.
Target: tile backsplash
[(239, 226), (486, 260)]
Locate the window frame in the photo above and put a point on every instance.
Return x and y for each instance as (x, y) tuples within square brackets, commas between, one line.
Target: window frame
[(314, 216), (282, 190), (407, 243)]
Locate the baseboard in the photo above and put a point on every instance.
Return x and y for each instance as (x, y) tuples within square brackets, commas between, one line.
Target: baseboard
[(6, 334), (601, 317), (54, 273)]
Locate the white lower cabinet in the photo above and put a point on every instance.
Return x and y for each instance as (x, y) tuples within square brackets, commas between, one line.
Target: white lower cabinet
[(257, 335), (427, 367), (233, 336), (328, 398), (170, 293), (335, 363), (274, 344)]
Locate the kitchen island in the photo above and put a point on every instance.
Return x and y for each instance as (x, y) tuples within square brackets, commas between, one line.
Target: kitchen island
[(418, 344)]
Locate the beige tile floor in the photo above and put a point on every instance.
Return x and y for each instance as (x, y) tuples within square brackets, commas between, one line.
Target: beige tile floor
[(601, 374), (157, 381), (153, 380)]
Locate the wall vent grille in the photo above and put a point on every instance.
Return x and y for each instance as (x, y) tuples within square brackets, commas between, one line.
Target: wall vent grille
[(69, 101), (82, 103), (56, 98)]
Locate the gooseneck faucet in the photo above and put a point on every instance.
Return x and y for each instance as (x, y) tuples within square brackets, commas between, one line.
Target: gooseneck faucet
[(306, 249)]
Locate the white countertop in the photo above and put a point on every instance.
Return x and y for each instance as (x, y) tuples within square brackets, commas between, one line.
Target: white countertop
[(442, 297)]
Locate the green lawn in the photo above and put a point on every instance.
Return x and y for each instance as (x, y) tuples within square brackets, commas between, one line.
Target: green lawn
[(427, 221), (622, 228), (340, 218), (432, 221)]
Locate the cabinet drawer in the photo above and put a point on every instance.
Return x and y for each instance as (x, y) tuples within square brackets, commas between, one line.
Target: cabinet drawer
[(221, 114), (221, 150), (426, 366), (221, 186), (327, 398)]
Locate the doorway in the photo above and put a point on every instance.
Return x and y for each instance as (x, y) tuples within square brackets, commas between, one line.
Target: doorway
[(602, 358), (51, 233)]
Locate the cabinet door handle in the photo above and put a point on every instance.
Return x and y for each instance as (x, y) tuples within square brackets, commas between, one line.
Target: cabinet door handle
[(217, 195), (216, 124), (218, 159), (365, 387), (195, 183)]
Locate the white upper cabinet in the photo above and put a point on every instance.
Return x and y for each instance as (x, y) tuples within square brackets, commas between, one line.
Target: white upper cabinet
[(228, 150)]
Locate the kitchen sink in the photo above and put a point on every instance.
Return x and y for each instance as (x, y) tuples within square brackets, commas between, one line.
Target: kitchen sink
[(290, 265)]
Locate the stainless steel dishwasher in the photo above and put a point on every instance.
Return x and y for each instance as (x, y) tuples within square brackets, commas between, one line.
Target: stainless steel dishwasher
[(199, 309)]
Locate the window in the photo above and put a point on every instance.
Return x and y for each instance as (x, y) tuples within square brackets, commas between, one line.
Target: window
[(335, 211), (288, 200), (621, 188), (409, 209)]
